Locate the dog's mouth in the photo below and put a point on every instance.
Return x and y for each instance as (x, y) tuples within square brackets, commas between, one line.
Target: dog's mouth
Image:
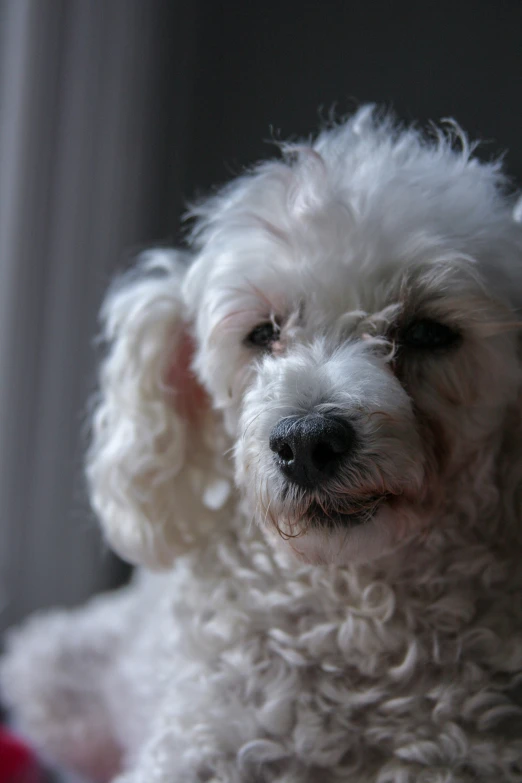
[(319, 515)]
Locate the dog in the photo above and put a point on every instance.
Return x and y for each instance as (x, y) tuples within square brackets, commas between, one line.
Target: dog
[(308, 437)]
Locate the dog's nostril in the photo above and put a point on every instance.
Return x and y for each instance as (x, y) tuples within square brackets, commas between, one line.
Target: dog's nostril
[(285, 452), (324, 455)]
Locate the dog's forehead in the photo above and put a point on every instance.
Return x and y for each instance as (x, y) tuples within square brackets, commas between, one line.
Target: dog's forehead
[(361, 220), (337, 264), (327, 281)]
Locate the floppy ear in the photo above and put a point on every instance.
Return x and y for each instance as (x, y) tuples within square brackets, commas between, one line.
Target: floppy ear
[(156, 448)]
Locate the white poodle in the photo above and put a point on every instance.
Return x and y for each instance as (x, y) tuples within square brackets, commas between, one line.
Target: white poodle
[(312, 423)]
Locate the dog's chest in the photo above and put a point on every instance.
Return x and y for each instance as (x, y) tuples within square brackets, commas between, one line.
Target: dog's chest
[(331, 663)]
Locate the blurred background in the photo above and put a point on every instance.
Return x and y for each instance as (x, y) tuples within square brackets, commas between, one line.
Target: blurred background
[(112, 114)]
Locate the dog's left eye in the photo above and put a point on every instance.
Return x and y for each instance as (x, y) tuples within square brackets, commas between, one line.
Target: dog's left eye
[(426, 334), (263, 335)]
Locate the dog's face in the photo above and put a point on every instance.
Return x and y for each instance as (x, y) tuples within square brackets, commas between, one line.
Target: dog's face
[(352, 330), (354, 315)]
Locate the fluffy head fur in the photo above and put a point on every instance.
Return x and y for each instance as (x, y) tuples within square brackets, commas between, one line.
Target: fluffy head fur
[(343, 245)]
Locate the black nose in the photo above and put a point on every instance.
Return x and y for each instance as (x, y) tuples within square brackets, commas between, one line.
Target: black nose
[(311, 448)]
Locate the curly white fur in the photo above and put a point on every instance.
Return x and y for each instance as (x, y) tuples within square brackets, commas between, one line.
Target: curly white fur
[(276, 647)]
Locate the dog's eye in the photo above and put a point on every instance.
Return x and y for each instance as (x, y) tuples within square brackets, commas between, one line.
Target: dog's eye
[(263, 335), (429, 335)]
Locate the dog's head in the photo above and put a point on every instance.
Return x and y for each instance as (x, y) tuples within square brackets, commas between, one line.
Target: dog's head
[(347, 327)]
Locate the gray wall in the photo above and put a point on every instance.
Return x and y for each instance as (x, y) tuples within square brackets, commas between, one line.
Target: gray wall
[(88, 152)]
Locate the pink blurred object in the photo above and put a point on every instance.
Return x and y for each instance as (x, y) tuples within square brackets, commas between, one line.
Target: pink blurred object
[(18, 764)]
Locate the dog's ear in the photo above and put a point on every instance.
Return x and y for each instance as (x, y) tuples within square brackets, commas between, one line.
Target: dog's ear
[(155, 447)]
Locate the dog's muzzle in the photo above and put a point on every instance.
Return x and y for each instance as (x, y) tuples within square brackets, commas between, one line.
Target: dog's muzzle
[(311, 449)]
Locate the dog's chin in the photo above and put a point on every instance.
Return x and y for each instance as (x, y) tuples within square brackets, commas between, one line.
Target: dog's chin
[(359, 539), (361, 514)]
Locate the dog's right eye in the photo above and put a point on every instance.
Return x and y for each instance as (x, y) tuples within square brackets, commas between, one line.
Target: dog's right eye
[(428, 335), (263, 335)]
